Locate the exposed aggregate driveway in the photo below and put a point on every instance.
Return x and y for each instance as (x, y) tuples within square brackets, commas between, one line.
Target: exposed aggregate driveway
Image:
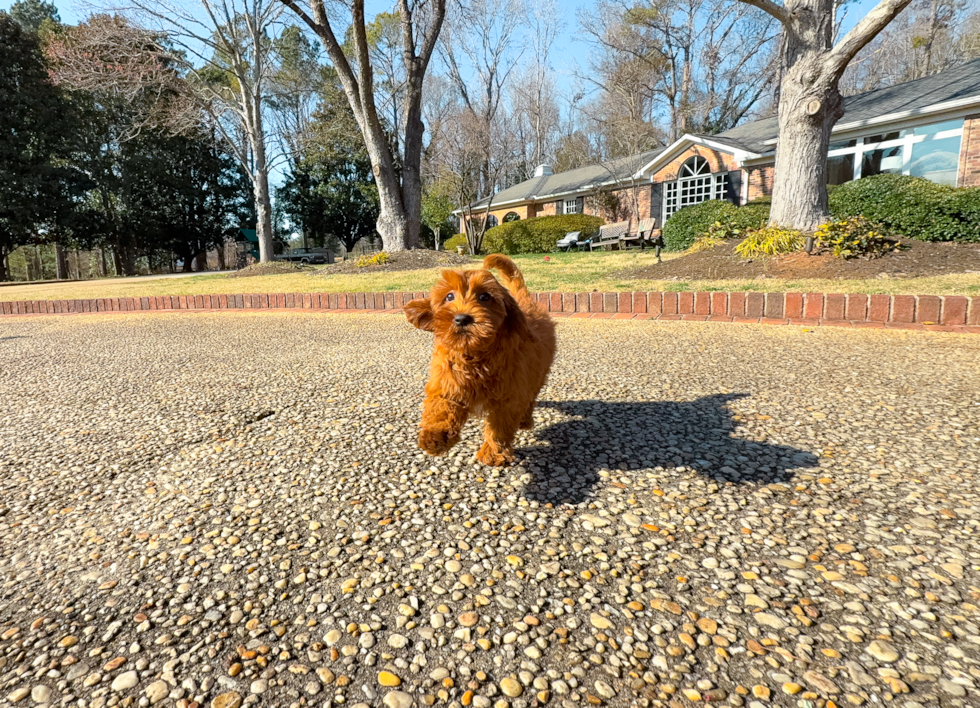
[(231, 510)]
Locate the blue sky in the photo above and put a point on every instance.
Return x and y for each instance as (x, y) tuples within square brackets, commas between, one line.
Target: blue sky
[(567, 50)]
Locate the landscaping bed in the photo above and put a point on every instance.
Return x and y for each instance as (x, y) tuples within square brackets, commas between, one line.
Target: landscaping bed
[(271, 268), (915, 259), (421, 259)]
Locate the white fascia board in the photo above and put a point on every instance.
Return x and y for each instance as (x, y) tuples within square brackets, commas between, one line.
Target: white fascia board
[(686, 141), (957, 106)]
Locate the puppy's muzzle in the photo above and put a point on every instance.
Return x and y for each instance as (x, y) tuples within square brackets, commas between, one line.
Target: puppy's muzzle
[(463, 320)]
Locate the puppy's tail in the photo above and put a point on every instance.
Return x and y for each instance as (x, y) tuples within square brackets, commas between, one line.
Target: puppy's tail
[(512, 276)]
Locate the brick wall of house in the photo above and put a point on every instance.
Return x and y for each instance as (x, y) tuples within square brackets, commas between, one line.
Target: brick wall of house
[(618, 205), (719, 162), (760, 180), (969, 173)]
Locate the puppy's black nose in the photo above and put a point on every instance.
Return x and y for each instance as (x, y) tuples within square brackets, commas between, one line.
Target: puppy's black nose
[(463, 320)]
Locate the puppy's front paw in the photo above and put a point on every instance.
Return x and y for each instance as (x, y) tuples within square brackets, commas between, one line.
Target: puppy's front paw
[(493, 457), (436, 442)]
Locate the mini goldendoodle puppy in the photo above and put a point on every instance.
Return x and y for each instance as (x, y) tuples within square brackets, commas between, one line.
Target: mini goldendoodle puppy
[(493, 348)]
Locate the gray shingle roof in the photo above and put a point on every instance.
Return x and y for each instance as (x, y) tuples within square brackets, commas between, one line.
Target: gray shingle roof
[(572, 181), (959, 82)]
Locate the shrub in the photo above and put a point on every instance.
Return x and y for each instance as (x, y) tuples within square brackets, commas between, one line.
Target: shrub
[(769, 241), (379, 258), (538, 235), (682, 228), (706, 242), (855, 237), (912, 207), (450, 244), (685, 226)]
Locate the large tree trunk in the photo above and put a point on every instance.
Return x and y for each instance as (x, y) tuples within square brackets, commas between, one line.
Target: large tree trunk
[(810, 102), (221, 255), (61, 261), (394, 225), (260, 182), (201, 261), (3, 264), (808, 111)]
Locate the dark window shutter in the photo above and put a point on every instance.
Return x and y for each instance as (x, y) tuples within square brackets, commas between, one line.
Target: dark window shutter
[(558, 207), (657, 201), (733, 193), (581, 205)]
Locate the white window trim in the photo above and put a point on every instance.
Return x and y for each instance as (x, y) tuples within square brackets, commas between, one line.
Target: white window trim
[(574, 201), (717, 190), (905, 143)]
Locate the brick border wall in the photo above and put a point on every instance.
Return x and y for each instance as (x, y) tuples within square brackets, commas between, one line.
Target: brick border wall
[(949, 313)]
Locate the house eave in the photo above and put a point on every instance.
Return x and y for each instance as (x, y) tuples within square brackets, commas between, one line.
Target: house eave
[(959, 105), (686, 141)]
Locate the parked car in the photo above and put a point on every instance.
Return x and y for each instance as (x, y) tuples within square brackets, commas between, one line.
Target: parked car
[(314, 256)]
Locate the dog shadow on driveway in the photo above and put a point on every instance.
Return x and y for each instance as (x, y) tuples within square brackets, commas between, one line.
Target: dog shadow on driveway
[(628, 436)]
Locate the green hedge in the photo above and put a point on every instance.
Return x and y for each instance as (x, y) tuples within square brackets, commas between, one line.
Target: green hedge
[(912, 207), (457, 240), (685, 226), (538, 235)]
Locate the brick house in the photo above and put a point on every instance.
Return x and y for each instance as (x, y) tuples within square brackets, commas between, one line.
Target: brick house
[(926, 128)]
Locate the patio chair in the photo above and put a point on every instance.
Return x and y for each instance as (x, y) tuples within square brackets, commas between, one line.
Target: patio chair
[(610, 235), (570, 239), (642, 234)]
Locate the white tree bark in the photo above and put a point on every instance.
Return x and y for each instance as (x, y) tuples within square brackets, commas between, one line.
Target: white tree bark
[(810, 102), (421, 22), (229, 39)]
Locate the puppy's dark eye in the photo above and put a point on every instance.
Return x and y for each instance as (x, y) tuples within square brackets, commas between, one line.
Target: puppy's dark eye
[(484, 297), (450, 297)]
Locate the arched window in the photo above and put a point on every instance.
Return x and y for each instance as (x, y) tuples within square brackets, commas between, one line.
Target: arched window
[(492, 221), (511, 216), (695, 166), (695, 183)]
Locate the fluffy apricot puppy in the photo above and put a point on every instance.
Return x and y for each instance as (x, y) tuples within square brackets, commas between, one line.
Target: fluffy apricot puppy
[(493, 349)]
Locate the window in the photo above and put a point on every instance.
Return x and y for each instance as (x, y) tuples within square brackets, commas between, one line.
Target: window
[(936, 160), (511, 216), (840, 169), (492, 221), (695, 184), (928, 151), (573, 206), (884, 161)]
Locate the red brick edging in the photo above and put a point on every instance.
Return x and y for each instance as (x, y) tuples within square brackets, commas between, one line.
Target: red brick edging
[(954, 313)]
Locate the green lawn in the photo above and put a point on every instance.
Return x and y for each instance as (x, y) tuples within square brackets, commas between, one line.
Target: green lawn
[(564, 272)]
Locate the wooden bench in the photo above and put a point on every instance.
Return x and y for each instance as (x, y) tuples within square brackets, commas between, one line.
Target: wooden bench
[(610, 235)]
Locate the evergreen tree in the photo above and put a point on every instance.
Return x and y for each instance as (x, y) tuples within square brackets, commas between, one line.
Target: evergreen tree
[(31, 14), (36, 191)]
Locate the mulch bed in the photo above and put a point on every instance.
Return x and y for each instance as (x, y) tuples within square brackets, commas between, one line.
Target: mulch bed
[(270, 268), (420, 259), (916, 259)]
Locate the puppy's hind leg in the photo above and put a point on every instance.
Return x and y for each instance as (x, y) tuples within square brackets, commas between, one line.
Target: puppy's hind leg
[(527, 422), (498, 437), (442, 421)]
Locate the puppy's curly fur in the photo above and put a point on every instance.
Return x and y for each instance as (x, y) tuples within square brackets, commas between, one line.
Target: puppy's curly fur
[(493, 349)]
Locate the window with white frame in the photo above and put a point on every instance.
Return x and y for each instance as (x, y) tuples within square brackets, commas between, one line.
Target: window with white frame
[(928, 151), (573, 206), (695, 184)]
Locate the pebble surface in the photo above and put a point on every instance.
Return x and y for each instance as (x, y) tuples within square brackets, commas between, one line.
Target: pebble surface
[(231, 510)]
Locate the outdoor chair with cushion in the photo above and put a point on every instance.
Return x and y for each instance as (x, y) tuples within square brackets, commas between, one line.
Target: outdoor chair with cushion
[(610, 235), (570, 239)]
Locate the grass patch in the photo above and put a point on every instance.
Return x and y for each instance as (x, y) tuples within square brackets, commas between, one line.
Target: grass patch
[(562, 272)]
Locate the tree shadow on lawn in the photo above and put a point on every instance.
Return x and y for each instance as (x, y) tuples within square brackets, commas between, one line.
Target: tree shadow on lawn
[(630, 436)]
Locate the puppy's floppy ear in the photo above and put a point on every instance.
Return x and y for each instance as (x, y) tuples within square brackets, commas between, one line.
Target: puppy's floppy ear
[(419, 313), (515, 320)]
